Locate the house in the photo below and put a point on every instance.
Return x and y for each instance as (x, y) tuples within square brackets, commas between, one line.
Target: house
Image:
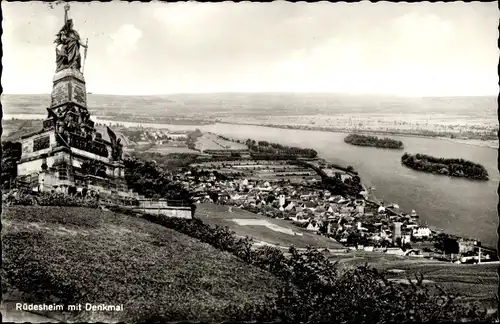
[(360, 227), (329, 228), (177, 136), (290, 206), (375, 238), (346, 210), (300, 217), (320, 209), (313, 226), (368, 248), (395, 251), (412, 226), (406, 238), (414, 252), (311, 205), (466, 245), (340, 200), (421, 232)]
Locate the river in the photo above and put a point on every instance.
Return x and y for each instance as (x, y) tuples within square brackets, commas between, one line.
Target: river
[(459, 206)]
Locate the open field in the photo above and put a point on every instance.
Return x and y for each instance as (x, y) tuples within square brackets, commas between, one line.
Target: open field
[(165, 149), (276, 235), (261, 170), (14, 129), (79, 255), (213, 142)]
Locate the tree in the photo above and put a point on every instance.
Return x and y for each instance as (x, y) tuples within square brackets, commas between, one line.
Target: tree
[(214, 196), (10, 156)]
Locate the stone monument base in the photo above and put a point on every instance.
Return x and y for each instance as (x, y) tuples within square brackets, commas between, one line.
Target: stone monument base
[(68, 87)]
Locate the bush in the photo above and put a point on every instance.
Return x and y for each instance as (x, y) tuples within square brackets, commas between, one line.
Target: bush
[(51, 199), (316, 290)]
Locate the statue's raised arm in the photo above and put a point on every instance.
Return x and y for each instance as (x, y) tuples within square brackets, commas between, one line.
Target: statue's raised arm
[(66, 9)]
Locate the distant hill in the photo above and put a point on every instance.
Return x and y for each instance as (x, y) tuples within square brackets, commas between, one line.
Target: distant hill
[(14, 130), (259, 104)]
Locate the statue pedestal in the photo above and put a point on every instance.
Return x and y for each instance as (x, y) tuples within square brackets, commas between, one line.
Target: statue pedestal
[(68, 87)]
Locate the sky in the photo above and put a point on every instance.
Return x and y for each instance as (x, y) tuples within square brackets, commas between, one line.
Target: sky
[(420, 49)]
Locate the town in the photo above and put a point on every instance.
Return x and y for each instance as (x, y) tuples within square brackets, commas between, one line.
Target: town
[(275, 189)]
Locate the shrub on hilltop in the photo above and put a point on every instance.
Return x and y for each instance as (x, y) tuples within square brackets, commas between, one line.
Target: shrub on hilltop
[(148, 178), (11, 153), (50, 199)]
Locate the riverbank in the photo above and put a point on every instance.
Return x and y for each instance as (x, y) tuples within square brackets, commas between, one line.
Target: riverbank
[(157, 125), (475, 142)]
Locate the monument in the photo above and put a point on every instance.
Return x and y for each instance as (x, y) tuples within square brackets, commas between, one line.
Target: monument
[(68, 153)]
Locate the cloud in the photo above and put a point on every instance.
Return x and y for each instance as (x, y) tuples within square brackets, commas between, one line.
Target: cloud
[(124, 41), (423, 27), (279, 46)]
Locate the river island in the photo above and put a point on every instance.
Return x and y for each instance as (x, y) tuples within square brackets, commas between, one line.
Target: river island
[(452, 167), (373, 141)]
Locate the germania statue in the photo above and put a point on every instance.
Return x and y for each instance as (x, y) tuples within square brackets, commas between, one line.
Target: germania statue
[(68, 45)]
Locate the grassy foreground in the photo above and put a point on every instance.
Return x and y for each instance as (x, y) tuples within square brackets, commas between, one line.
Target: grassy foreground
[(77, 255)]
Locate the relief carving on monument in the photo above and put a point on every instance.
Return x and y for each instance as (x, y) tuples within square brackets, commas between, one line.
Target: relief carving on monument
[(60, 94), (41, 143), (79, 94)]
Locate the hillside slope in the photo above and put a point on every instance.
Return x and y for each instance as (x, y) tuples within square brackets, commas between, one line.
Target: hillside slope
[(79, 255)]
